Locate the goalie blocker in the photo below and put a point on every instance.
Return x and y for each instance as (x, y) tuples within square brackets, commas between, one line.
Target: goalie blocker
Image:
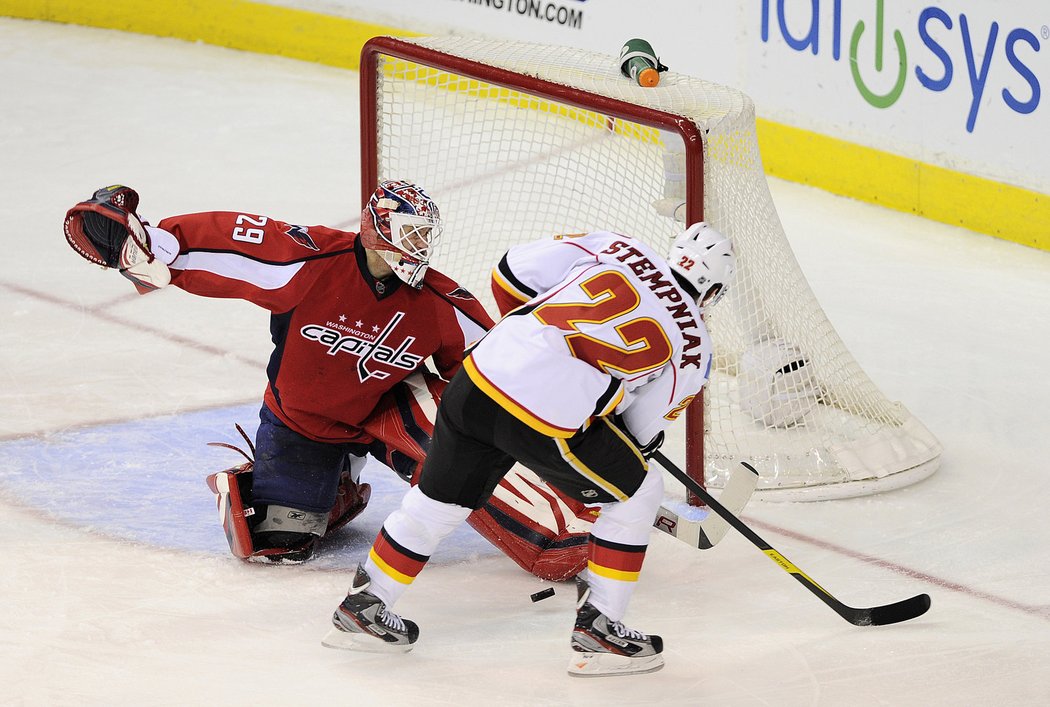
[(541, 529)]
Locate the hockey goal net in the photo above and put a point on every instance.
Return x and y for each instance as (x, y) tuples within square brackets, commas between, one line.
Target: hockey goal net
[(516, 141)]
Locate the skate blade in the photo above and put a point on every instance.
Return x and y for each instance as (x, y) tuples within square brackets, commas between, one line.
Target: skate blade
[(597, 665), (361, 643)]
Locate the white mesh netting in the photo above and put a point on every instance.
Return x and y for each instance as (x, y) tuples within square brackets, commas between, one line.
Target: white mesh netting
[(507, 166)]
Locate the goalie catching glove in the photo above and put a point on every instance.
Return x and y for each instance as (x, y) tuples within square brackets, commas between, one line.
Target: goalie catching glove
[(105, 230)]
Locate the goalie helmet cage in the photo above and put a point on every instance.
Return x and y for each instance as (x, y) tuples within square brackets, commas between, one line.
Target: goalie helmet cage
[(516, 141)]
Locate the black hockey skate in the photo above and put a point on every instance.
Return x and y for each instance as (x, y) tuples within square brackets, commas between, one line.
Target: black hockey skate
[(604, 647), (362, 623)]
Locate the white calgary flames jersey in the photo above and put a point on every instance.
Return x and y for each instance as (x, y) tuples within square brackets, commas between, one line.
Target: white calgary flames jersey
[(602, 327)]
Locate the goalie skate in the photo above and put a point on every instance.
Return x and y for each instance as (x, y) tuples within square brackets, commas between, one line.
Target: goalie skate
[(362, 623), (604, 647)]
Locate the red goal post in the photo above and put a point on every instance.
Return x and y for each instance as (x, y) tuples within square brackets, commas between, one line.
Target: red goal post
[(516, 141), (557, 93)]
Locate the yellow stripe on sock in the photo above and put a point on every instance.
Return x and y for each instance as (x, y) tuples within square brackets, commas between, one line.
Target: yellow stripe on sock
[(610, 573), (388, 570)]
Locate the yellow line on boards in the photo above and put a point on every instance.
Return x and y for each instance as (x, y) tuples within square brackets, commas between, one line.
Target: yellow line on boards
[(901, 183), (238, 24)]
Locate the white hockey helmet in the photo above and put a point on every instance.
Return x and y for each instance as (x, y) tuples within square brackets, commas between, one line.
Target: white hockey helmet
[(402, 223), (704, 258)]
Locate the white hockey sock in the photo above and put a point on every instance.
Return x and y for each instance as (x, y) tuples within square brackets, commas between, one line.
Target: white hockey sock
[(409, 536), (627, 524)]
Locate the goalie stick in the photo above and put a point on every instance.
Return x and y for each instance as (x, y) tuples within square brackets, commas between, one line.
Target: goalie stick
[(698, 527), (874, 616)]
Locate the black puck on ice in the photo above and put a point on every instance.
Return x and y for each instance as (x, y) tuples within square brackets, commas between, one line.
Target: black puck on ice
[(542, 594)]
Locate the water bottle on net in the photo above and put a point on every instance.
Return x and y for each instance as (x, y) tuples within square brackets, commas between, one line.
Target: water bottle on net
[(638, 61)]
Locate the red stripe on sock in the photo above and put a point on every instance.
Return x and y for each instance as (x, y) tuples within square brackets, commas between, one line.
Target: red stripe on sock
[(620, 558), (396, 557)]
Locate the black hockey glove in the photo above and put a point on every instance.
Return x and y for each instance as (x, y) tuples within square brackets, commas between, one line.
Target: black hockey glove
[(647, 449), (654, 444)]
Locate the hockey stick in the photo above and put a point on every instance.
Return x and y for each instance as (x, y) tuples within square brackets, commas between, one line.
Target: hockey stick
[(698, 527), (874, 616)]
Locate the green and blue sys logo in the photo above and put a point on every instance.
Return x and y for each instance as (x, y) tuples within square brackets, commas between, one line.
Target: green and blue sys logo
[(946, 40)]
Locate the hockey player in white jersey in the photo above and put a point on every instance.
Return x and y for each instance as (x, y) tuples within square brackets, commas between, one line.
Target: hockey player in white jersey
[(602, 347)]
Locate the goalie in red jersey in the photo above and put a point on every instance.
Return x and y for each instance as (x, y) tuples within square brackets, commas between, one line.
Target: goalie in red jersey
[(354, 318)]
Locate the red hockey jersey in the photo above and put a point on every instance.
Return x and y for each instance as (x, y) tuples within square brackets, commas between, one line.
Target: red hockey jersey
[(341, 338)]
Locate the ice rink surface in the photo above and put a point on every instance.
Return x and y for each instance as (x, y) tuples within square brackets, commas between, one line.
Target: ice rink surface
[(116, 587)]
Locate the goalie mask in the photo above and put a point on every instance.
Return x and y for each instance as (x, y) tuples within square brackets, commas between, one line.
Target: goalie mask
[(704, 259), (402, 223)]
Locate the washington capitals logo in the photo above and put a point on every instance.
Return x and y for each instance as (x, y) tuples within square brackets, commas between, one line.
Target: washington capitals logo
[(460, 293), (367, 349), (300, 235)]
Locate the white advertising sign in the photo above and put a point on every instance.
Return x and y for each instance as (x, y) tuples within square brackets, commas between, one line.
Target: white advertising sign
[(957, 83)]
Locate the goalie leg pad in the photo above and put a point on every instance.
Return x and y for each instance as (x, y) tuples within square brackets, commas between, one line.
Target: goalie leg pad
[(228, 486), (231, 487), (275, 545), (544, 531), (283, 532)]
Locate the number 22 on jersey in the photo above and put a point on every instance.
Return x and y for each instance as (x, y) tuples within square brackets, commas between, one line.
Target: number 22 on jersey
[(633, 346)]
